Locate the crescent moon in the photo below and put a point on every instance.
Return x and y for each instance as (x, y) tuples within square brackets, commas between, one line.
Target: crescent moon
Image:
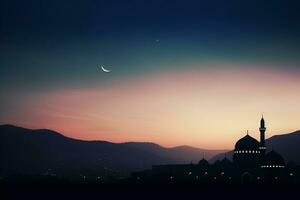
[(105, 70)]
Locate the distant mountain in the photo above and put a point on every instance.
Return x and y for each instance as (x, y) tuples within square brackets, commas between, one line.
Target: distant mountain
[(35, 152), (288, 145)]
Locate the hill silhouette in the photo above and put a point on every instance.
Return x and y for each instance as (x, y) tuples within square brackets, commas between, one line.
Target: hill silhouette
[(31, 152), (286, 144)]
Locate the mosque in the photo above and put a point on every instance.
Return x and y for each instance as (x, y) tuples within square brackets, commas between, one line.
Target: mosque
[(251, 162), (249, 153)]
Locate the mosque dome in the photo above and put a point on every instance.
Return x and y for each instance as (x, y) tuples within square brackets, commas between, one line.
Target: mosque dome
[(273, 159), (203, 162), (247, 143), (225, 162), (217, 162)]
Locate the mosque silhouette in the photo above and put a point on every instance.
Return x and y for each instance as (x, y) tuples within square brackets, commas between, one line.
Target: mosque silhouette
[(251, 162)]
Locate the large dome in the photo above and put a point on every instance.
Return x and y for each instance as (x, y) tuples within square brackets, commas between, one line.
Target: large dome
[(247, 143), (273, 159)]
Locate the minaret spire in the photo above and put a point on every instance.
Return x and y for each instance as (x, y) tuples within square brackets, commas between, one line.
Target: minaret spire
[(262, 131)]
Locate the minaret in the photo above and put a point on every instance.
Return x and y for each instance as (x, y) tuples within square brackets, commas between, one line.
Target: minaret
[(262, 131)]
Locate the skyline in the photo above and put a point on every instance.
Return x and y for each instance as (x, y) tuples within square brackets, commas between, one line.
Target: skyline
[(182, 73)]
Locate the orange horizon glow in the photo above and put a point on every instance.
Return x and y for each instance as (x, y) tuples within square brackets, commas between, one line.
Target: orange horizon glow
[(205, 108)]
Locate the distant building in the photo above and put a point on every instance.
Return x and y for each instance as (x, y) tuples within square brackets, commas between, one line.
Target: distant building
[(250, 163)]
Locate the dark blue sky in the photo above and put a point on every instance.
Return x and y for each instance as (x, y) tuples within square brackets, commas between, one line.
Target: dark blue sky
[(59, 43), (91, 18)]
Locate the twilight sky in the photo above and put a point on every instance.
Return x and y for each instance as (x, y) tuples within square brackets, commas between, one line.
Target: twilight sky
[(196, 73)]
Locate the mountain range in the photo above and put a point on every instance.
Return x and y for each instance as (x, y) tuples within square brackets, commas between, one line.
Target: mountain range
[(32, 152)]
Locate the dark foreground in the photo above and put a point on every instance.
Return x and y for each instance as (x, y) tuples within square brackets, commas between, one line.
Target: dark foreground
[(43, 190)]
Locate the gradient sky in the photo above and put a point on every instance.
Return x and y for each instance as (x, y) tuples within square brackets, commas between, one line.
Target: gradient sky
[(183, 72)]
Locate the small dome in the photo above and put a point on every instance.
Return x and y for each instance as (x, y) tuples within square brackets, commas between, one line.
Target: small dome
[(225, 162), (247, 143), (217, 162), (274, 158), (203, 162)]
